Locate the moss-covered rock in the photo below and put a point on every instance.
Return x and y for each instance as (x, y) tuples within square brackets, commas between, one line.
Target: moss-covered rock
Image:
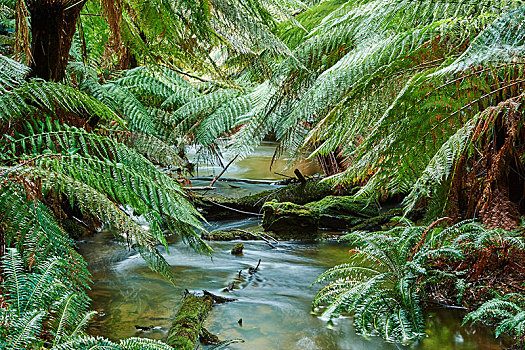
[(237, 249), (290, 221)]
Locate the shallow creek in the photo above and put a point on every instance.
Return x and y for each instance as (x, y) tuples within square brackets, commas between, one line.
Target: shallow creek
[(274, 304)]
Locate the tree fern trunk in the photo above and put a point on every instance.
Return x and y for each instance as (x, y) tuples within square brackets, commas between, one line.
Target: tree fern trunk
[(2, 243), (53, 24)]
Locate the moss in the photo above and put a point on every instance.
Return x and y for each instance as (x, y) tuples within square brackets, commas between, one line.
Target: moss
[(228, 235), (237, 249), (295, 193), (290, 221), (344, 206), (187, 324), (376, 223)]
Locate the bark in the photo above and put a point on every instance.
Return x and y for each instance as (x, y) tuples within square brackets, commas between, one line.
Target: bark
[(2, 242), (53, 24)]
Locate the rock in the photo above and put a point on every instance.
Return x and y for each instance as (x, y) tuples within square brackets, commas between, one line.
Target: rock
[(237, 249)]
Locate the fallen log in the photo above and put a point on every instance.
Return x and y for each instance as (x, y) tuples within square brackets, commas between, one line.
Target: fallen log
[(216, 208), (217, 298), (199, 188), (187, 324)]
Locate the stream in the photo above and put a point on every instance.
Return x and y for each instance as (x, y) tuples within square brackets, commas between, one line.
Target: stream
[(274, 303)]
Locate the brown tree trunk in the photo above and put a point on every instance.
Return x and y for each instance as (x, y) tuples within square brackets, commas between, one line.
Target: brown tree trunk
[(53, 24), (2, 242)]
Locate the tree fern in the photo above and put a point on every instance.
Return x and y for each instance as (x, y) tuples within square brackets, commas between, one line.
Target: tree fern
[(11, 73), (87, 342), (31, 227), (151, 147), (502, 41), (95, 173), (441, 166)]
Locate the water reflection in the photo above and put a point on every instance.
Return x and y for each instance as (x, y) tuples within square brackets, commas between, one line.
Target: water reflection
[(257, 166)]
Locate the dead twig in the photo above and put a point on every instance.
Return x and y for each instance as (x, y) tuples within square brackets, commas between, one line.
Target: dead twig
[(258, 236)]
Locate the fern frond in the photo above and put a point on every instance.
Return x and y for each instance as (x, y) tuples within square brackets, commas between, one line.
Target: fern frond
[(441, 165), (50, 96), (151, 147), (502, 41), (31, 228), (11, 73)]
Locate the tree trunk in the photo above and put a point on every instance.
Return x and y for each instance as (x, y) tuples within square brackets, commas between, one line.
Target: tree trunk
[(53, 24), (2, 242)]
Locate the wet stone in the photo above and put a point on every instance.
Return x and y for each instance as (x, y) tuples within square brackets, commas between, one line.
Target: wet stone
[(237, 249)]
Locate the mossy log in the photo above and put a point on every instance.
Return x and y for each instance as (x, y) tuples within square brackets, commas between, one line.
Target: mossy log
[(292, 221), (229, 235), (342, 212), (186, 326), (215, 208)]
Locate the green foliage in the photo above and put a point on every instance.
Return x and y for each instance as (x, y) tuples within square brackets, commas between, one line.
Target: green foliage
[(383, 285), (11, 72), (507, 313), (103, 176), (380, 285), (395, 88), (31, 228), (47, 166), (41, 298), (41, 310), (184, 33), (86, 342), (95, 172)]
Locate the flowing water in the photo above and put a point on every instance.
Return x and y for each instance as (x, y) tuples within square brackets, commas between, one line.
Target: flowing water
[(274, 303)]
